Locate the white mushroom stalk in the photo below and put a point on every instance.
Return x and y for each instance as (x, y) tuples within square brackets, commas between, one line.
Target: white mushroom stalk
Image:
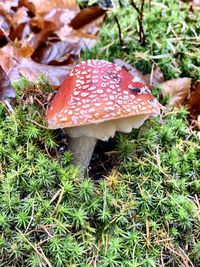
[(97, 99), (82, 149)]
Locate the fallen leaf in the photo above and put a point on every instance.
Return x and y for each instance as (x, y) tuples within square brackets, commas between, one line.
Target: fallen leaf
[(5, 25), (56, 52), (48, 28), (177, 89), (83, 28), (20, 16), (61, 16), (20, 33), (85, 16), (154, 78), (193, 103), (30, 6), (55, 75), (43, 7), (15, 65), (6, 5), (6, 89), (49, 32), (198, 122)]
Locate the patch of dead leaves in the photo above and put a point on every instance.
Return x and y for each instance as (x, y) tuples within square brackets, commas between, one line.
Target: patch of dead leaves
[(45, 37), (6, 89)]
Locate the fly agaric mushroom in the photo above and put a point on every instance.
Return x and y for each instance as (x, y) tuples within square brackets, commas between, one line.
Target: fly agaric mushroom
[(97, 99)]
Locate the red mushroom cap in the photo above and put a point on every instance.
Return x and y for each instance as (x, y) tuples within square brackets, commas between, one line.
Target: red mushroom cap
[(96, 91)]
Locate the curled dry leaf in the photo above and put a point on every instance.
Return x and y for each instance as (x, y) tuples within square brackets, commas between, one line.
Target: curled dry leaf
[(177, 89), (43, 7), (20, 16), (55, 75), (193, 103), (6, 89), (15, 65), (48, 28), (85, 16), (56, 52), (83, 27), (61, 16), (6, 5)]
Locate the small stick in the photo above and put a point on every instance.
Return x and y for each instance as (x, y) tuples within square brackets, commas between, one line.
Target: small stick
[(140, 21), (119, 32), (59, 200), (32, 213), (41, 254)]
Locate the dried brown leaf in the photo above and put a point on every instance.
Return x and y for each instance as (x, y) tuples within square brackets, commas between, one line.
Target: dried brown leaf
[(20, 16), (14, 66), (193, 103), (6, 89), (55, 75), (85, 16), (30, 6), (177, 89), (6, 5), (21, 32), (25, 51), (43, 7), (48, 28), (83, 28), (61, 16), (5, 25), (56, 52)]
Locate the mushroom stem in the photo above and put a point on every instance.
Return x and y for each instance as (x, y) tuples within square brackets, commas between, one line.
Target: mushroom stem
[(82, 149)]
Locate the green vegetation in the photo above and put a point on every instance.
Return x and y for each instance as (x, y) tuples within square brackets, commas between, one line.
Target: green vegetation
[(172, 39), (145, 208), (145, 213)]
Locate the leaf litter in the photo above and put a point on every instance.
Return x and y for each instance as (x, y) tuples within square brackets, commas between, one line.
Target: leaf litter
[(45, 37)]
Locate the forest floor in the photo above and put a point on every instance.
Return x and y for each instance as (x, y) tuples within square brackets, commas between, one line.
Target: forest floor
[(140, 206)]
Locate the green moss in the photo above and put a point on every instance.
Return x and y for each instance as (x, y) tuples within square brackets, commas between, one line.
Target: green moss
[(172, 40), (46, 206)]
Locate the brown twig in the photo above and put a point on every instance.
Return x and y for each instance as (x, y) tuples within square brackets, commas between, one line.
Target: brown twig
[(121, 41), (140, 12), (59, 200), (40, 253)]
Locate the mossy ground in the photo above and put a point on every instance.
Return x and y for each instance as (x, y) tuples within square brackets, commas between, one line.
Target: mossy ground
[(145, 212)]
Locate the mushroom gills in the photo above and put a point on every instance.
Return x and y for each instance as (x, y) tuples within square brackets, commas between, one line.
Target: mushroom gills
[(105, 130)]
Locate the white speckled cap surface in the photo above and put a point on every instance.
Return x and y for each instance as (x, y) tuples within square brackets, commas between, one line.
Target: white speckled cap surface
[(98, 91)]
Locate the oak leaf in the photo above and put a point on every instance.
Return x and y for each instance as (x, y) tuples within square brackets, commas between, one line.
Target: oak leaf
[(177, 89)]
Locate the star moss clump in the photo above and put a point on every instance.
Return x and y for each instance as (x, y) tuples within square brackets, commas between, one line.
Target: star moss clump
[(143, 214)]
